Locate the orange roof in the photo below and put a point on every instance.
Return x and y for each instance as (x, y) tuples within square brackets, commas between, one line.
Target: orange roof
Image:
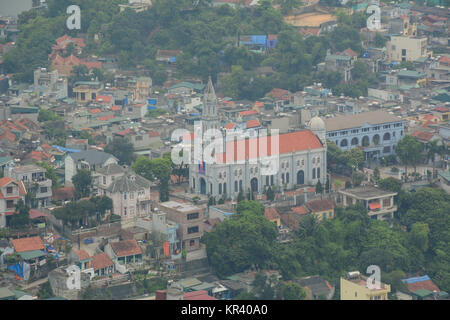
[(101, 261), (28, 244), (37, 155), (229, 126), (126, 248), (5, 180), (96, 110), (116, 108), (350, 52), (424, 136), (300, 210), (278, 93), (253, 124), (424, 285), (248, 112), (287, 143), (105, 118), (271, 213), (153, 133), (83, 255)]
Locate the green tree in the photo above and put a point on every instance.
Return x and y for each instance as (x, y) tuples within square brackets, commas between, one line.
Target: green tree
[(21, 218), (291, 291), (122, 149), (82, 182), (409, 150), (319, 188)]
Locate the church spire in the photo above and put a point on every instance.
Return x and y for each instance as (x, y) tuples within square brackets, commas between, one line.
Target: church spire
[(210, 93)]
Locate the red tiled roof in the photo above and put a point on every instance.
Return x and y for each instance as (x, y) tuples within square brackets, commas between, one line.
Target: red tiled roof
[(96, 110), (126, 248), (300, 210), (34, 214), (83, 255), (124, 132), (27, 244), (279, 94), (350, 52), (62, 194), (312, 31), (37, 155), (287, 142), (229, 126), (445, 60), (153, 133), (320, 205), (253, 124), (116, 108), (101, 261), (424, 285), (248, 113), (5, 180), (290, 220), (424, 136), (271, 213), (442, 109), (104, 118)]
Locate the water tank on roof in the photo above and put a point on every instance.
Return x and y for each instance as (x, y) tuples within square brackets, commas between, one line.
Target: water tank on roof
[(353, 274)]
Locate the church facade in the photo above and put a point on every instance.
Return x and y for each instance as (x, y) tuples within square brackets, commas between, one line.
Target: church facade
[(298, 160)]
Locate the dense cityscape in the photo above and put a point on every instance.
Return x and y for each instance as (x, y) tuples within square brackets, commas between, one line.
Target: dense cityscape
[(224, 150)]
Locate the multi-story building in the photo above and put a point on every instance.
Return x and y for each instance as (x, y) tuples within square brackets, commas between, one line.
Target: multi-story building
[(355, 287), (33, 177), (404, 48), (377, 132), (87, 91), (129, 191), (141, 88), (90, 160), (379, 203), (11, 191), (190, 222)]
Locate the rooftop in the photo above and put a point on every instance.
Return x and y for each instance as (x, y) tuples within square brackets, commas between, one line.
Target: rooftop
[(367, 192), (358, 120), (28, 244), (126, 248)]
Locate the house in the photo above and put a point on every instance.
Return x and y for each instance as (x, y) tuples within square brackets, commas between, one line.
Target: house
[(379, 203), (62, 43), (65, 65), (342, 63), (167, 56), (103, 265), (423, 288), (186, 88), (189, 219), (90, 160), (272, 215), (136, 5), (124, 252), (35, 181), (129, 191), (140, 88), (323, 209), (404, 48), (354, 286), (319, 287), (31, 250), (82, 260), (11, 191), (408, 78), (87, 91)]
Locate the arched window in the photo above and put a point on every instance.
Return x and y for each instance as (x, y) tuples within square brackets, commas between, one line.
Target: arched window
[(287, 177), (282, 178), (376, 139), (354, 141), (365, 141), (193, 183), (344, 143), (318, 173), (225, 188), (387, 136), (220, 188), (314, 173), (236, 186), (240, 185), (267, 180)]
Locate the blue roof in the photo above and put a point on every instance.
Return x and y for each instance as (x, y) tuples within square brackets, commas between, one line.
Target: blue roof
[(65, 149), (416, 279)]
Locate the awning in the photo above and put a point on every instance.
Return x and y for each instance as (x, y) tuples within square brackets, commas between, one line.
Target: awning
[(373, 206)]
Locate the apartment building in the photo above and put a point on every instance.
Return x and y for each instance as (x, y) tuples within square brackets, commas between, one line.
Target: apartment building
[(379, 203), (354, 286), (11, 191), (189, 219), (403, 48)]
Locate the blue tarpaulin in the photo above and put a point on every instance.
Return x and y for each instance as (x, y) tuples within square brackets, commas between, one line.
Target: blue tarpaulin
[(88, 240), (151, 108), (173, 59), (152, 101), (65, 149), (194, 114), (261, 40), (17, 268)]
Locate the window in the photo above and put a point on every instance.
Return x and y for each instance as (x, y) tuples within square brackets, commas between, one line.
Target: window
[(330, 214), (403, 52), (220, 188), (386, 202), (240, 185), (124, 211), (267, 180), (236, 186), (191, 243), (104, 180), (287, 177), (9, 204), (124, 196), (192, 216), (192, 230), (44, 189), (9, 190), (282, 178), (139, 138), (324, 216), (132, 195), (318, 173), (314, 173)]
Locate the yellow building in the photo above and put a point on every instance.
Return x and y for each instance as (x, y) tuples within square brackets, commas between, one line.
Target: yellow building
[(354, 287), (322, 209), (272, 215), (87, 91)]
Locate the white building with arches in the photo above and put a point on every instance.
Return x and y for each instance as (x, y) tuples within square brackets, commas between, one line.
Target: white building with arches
[(377, 132)]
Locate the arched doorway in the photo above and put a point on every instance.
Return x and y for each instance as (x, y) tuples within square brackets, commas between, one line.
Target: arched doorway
[(365, 141), (202, 186), (354, 141), (301, 177), (376, 139), (254, 184)]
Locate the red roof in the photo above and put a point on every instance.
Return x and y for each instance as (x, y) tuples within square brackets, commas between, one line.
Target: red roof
[(445, 60), (271, 213), (5, 180), (424, 136), (300, 210), (105, 99), (248, 113), (312, 31), (350, 52), (126, 248), (320, 205), (37, 155), (104, 118), (229, 126), (277, 93), (83, 255), (153, 133), (442, 109), (116, 108), (101, 261), (253, 124), (424, 285), (287, 143), (62, 194), (28, 244), (96, 110), (34, 214)]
